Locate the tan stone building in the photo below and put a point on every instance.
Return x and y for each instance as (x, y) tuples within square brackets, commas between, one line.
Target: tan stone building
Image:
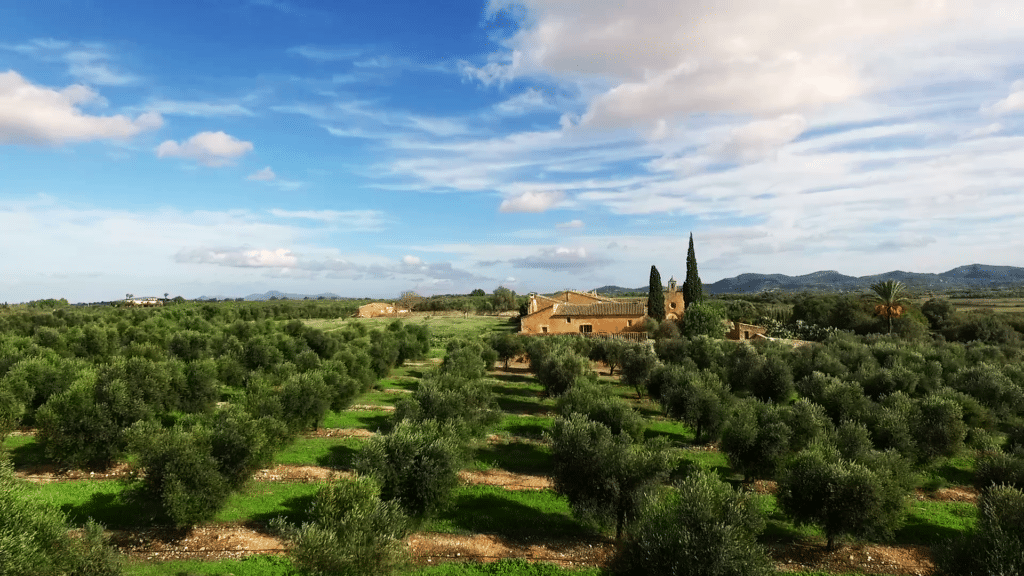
[(740, 331), (379, 309), (573, 312)]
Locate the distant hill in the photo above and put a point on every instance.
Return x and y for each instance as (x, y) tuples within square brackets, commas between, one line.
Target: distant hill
[(963, 277), (282, 296)]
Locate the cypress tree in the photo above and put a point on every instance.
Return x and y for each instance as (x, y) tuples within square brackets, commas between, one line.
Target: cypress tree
[(656, 297), (693, 290)]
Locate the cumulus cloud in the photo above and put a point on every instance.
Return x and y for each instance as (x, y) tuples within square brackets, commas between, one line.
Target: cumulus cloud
[(531, 202), (31, 114), (239, 257), (411, 261), (262, 175), (560, 259), (1012, 103), (662, 60), (570, 224), (762, 139), (209, 148)]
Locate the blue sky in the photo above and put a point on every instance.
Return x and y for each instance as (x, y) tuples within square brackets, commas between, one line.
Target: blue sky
[(365, 148)]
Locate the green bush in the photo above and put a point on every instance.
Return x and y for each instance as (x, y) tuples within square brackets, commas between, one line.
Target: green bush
[(703, 319), (996, 546), (351, 532), (842, 497), (507, 345), (700, 528), (466, 405), (562, 369), (34, 537), (698, 398), (468, 359), (637, 364), (416, 464), (596, 402), (998, 469), (756, 438), (601, 474)]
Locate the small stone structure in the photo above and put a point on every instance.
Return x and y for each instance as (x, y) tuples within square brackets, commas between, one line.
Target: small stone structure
[(740, 331), (575, 312), (380, 310)]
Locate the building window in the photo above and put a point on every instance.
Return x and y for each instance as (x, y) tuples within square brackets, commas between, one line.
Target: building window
[(746, 334), (567, 319), (672, 305), (544, 329), (586, 328), (629, 322)]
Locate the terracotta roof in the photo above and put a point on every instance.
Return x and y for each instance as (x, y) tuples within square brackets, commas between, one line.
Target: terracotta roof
[(601, 309)]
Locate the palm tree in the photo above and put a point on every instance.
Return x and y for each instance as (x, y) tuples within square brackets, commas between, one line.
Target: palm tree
[(890, 294)]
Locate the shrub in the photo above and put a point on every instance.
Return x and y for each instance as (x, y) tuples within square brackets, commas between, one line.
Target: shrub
[(597, 403), (601, 474), (756, 439), (703, 319), (772, 380), (305, 399), (507, 346), (180, 471), (698, 398), (468, 359), (467, 405), (998, 469), (996, 546), (840, 496), (637, 364), (416, 465), (562, 369), (938, 428), (34, 537), (351, 532), (700, 528)]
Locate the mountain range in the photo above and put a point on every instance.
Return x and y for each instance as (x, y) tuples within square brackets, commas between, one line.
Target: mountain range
[(963, 277)]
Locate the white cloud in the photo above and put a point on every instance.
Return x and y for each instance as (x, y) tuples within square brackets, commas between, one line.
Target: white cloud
[(531, 202), (346, 219), (239, 257), (31, 114), (262, 175), (209, 148), (89, 65), (570, 224), (526, 102), (762, 139), (1012, 103), (561, 258), (202, 109), (411, 261), (982, 131), (321, 54)]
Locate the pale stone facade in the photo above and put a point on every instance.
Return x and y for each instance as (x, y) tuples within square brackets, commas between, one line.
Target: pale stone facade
[(572, 312), (379, 309)]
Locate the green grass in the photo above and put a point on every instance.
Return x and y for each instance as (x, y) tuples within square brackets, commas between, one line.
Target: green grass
[(259, 565), (930, 522), (517, 457), (378, 398), (109, 502), (779, 528), (261, 502), (372, 420), (677, 433), (714, 461), (527, 426), (329, 452), (514, 514), (25, 451)]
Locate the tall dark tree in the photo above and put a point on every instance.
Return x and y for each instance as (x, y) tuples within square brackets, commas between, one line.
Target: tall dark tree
[(693, 290), (656, 297)]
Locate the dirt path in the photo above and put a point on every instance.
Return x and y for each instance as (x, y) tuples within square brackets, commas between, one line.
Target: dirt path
[(233, 540)]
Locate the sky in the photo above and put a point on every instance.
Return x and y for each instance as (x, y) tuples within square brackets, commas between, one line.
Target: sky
[(367, 148)]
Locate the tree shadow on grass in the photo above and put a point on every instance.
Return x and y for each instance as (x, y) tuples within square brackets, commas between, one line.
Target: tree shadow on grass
[(492, 513), (527, 430), (673, 437), (515, 391), (377, 420), (294, 511), (29, 454), (339, 456), (523, 406), (919, 530), (516, 457), (520, 378), (130, 508)]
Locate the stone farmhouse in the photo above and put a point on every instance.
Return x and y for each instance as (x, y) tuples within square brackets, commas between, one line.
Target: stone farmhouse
[(379, 310), (144, 301), (574, 312)]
